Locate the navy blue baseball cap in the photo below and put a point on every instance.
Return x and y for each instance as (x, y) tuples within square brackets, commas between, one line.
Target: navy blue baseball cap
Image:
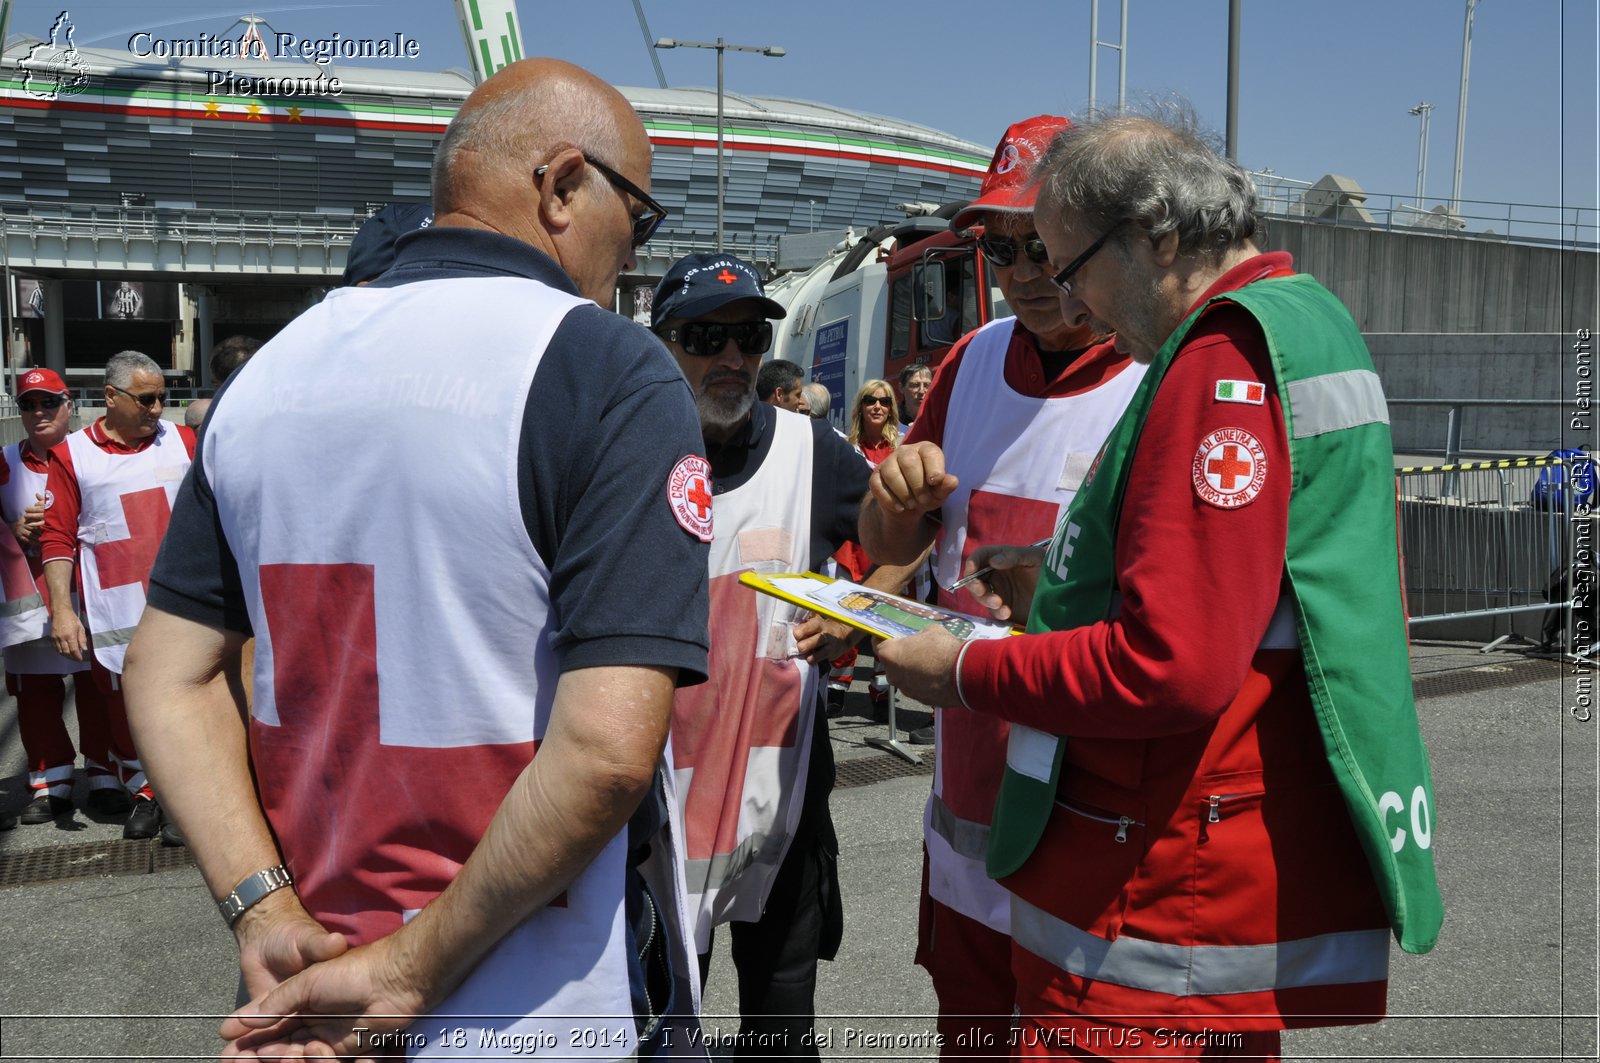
[(700, 283), (372, 250)]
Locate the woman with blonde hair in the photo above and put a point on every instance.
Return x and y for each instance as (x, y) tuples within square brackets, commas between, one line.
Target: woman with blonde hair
[(875, 422), (874, 432)]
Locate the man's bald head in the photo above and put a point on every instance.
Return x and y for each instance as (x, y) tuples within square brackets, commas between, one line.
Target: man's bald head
[(549, 115)]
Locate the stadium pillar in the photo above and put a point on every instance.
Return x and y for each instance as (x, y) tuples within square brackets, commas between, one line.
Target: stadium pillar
[(55, 326)]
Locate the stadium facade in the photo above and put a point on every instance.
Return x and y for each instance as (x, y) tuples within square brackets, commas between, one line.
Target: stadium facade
[(225, 191)]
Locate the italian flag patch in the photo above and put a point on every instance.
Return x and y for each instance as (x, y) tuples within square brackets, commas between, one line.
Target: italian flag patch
[(1247, 391)]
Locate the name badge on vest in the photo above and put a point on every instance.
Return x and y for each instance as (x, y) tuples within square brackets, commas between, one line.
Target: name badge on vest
[(168, 474), (1074, 471)]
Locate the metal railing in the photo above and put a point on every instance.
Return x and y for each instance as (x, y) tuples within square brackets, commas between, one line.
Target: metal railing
[(177, 224), (1475, 543), (1478, 218), (1452, 427)]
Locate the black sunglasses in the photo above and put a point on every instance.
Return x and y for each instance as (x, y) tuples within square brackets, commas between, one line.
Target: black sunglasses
[(644, 225), (149, 400), (1063, 279), (877, 400), (49, 402), (705, 339), (1002, 251)]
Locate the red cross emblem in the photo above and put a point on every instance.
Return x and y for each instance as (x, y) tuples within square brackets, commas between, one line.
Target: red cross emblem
[(370, 829), (751, 702), (689, 496), (727, 278), (1230, 468), (127, 561)]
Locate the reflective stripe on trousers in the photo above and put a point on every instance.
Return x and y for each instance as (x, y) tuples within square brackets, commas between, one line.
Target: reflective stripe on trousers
[(1202, 970)]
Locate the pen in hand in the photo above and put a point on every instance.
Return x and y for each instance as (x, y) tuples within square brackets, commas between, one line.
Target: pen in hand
[(985, 570)]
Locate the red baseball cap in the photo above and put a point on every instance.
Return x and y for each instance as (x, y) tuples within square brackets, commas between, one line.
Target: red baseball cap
[(41, 380), (1008, 186)]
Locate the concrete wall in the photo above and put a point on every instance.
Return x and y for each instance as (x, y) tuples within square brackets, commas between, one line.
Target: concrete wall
[(1463, 317)]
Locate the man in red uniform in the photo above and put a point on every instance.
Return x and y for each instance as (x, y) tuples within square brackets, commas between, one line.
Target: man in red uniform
[(1215, 685), (34, 670), (109, 497), (1007, 393)]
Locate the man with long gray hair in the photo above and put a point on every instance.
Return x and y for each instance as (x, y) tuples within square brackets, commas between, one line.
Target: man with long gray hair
[(1216, 805), (108, 497)]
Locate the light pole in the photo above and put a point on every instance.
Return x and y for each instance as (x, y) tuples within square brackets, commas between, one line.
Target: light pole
[(1461, 109), (721, 46), (1424, 111)]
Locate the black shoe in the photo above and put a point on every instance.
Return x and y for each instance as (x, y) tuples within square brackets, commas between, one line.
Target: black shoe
[(108, 801), (836, 701), (44, 808), (7, 822), (171, 836), (144, 821), (922, 736)]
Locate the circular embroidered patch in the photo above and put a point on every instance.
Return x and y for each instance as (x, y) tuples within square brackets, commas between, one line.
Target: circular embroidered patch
[(1230, 468), (689, 495)]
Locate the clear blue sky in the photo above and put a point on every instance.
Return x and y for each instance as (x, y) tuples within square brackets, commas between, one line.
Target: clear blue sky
[(1325, 86)]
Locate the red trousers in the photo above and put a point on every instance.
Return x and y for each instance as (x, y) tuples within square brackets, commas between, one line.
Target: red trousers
[(103, 733), (970, 965)]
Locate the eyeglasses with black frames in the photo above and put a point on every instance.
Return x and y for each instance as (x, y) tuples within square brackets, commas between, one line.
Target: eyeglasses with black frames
[(706, 339), (49, 402), (1063, 279), (644, 224), (877, 400)]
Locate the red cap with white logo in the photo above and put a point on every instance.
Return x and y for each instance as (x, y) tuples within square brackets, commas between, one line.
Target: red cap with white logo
[(41, 380), (1008, 186)]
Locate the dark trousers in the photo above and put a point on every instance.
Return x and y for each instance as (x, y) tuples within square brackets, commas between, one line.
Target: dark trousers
[(776, 957)]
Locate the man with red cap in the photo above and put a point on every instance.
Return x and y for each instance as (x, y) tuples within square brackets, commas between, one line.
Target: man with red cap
[(34, 670), (108, 500), (1008, 393)]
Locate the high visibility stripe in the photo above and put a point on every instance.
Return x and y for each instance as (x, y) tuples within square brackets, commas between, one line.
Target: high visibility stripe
[(1202, 970), (709, 874), (21, 605), (120, 636), (1334, 401), (967, 838)]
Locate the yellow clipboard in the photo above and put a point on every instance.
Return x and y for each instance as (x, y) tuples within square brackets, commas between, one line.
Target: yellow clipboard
[(878, 613)]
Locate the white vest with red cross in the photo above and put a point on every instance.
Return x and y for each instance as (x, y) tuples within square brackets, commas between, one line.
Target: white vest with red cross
[(1020, 460), (742, 740), (125, 503), (20, 487), (24, 615), (404, 675)]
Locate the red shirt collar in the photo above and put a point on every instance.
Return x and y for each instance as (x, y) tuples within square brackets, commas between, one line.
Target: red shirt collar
[(98, 436), (1255, 268)]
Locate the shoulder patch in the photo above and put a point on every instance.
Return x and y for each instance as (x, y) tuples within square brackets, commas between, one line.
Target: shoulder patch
[(1247, 391), (1230, 468), (689, 496)]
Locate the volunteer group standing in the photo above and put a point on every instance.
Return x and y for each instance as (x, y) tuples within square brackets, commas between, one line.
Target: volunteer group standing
[(516, 742)]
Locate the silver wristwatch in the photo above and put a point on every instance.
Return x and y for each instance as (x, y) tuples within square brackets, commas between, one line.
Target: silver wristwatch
[(251, 891)]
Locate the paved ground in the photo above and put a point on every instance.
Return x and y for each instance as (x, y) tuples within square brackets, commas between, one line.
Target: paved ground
[(139, 966)]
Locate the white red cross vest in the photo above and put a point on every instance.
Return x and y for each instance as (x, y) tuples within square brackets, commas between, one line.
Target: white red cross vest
[(20, 487), (24, 612), (404, 676), (1020, 460), (742, 739), (125, 505)]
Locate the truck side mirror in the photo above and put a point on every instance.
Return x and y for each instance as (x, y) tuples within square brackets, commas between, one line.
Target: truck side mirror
[(928, 291)]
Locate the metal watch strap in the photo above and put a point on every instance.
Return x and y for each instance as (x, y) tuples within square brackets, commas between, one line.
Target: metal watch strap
[(252, 891)]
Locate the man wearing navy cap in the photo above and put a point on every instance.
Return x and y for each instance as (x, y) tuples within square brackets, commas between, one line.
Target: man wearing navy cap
[(752, 745), (372, 250)]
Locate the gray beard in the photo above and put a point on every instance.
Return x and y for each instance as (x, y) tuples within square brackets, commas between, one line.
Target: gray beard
[(720, 414)]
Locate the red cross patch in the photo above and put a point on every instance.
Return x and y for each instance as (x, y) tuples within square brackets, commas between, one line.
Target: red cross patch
[(1230, 468), (727, 278), (689, 495)]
